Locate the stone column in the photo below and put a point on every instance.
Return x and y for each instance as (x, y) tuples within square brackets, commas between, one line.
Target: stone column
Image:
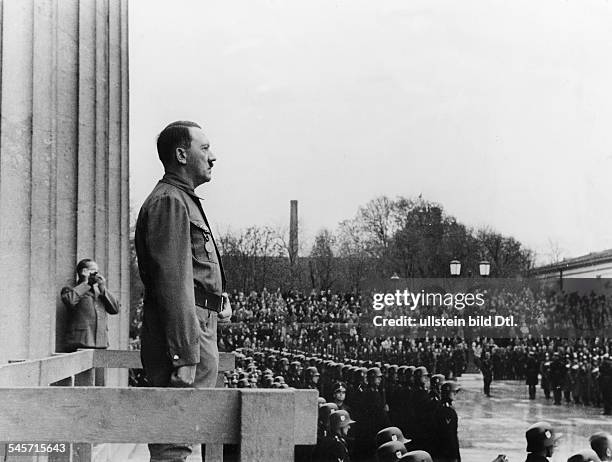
[(64, 166)]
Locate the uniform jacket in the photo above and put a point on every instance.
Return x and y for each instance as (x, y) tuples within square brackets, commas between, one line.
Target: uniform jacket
[(177, 255), (446, 440), (87, 327), (531, 371), (337, 450)]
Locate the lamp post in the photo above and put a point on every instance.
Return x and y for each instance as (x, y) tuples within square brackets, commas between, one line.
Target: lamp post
[(484, 268)]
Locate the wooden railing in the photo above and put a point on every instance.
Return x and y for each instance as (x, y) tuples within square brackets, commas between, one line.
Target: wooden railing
[(267, 424)]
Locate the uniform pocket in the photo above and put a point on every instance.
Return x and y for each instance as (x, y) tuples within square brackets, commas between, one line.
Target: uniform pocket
[(204, 317), (200, 238)]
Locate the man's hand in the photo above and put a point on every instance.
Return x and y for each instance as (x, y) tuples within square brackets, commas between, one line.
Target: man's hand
[(226, 311), (101, 282), (183, 376)]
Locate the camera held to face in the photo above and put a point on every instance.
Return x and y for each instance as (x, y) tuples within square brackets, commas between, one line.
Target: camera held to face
[(93, 278)]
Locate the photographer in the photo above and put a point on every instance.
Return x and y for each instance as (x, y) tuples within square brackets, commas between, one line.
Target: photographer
[(88, 303)]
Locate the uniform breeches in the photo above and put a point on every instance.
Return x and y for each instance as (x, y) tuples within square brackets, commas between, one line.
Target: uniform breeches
[(206, 377)]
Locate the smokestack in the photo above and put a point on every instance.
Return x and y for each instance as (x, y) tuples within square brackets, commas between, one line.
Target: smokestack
[(293, 232)]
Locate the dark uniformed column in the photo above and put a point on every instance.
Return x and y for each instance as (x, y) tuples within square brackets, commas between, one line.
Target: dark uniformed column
[(64, 165)]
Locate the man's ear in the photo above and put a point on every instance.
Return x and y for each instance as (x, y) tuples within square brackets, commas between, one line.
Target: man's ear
[(181, 155)]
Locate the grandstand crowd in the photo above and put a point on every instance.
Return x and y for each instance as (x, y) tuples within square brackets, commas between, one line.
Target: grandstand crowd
[(388, 398)]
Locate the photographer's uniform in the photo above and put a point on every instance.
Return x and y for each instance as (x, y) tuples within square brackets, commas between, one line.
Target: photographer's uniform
[(88, 304)]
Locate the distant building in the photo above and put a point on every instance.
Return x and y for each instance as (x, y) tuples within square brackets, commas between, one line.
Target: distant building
[(592, 265)]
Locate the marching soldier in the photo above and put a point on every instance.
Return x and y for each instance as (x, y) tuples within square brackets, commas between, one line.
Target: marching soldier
[(391, 451), (337, 449), (323, 428), (446, 444), (540, 442), (487, 373), (390, 434), (339, 396), (370, 413), (601, 443), (586, 455), (594, 372), (545, 371), (557, 377), (531, 374), (567, 388), (435, 383), (416, 456), (423, 407), (294, 377), (605, 384), (312, 378)]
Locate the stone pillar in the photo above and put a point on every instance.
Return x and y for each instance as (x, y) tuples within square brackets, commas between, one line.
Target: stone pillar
[(64, 165)]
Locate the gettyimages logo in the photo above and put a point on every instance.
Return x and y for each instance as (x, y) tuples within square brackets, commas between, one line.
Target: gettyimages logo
[(412, 300), (487, 307)]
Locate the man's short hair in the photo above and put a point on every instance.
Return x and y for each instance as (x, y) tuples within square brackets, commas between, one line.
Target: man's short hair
[(175, 135), (82, 265)]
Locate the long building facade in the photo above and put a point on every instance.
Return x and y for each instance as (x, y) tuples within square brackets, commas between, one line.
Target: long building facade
[(64, 169), (592, 265)]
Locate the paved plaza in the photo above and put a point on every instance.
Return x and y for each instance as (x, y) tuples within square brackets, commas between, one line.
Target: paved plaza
[(496, 425)]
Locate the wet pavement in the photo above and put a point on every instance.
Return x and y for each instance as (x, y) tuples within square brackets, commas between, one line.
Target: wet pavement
[(496, 425)]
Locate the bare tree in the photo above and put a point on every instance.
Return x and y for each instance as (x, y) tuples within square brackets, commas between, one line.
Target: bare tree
[(555, 252), (379, 223), (508, 256), (352, 252), (322, 256)]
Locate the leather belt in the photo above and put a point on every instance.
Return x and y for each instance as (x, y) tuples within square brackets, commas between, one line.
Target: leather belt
[(207, 300)]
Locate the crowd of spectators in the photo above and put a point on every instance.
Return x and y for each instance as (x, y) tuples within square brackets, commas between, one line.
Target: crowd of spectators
[(337, 325)]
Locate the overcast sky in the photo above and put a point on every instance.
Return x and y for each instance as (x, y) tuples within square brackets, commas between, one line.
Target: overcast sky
[(500, 111)]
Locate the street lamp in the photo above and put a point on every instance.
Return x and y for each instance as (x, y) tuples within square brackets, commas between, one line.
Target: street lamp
[(455, 268), (395, 277), (485, 268)]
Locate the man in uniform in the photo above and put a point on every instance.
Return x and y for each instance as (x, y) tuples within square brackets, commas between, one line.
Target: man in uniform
[(545, 371), (391, 451), (487, 373), (531, 374), (445, 447), (601, 443), (557, 377), (88, 304), (390, 434), (337, 450), (339, 396), (312, 378), (369, 411), (540, 442), (421, 429), (605, 383), (416, 456), (586, 455), (182, 273)]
